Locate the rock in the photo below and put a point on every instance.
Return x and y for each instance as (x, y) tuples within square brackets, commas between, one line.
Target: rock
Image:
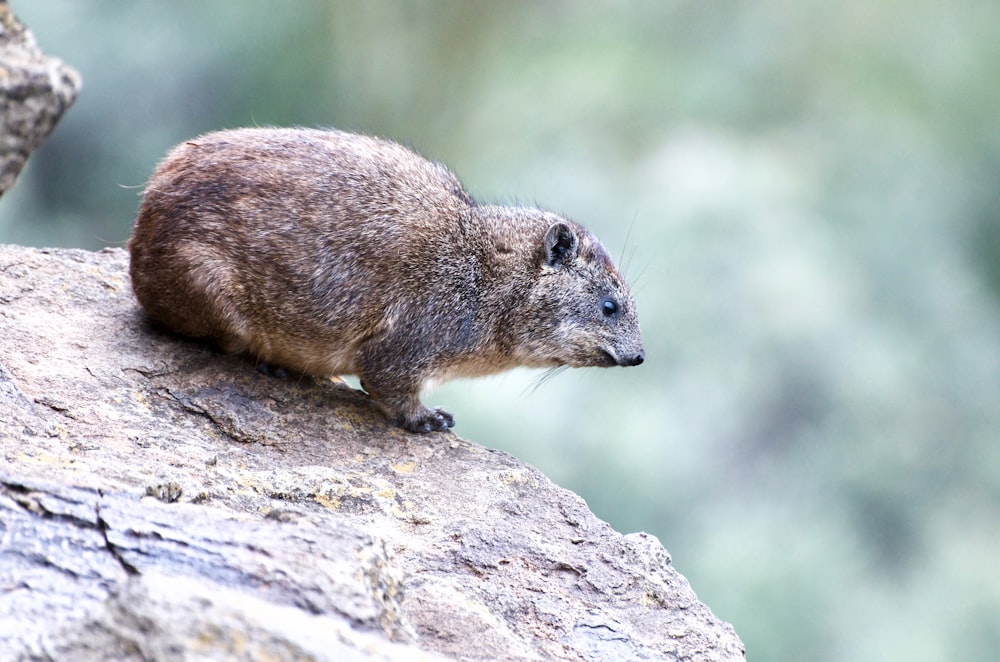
[(35, 90), (161, 500)]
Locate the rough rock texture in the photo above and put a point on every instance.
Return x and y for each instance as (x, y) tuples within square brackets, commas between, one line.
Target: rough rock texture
[(35, 90), (160, 500)]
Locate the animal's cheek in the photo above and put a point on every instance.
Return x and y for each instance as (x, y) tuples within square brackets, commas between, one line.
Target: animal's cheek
[(577, 334)]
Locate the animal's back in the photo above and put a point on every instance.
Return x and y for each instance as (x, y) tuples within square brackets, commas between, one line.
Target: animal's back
[(291, 244)]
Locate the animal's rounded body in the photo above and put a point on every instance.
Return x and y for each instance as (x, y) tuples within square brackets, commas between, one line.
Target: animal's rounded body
[(333, 253)]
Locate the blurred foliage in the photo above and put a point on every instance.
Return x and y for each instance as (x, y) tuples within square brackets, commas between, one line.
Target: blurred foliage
[(807, 199)]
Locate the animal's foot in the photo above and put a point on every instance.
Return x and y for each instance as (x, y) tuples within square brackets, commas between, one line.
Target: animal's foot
[(271, 369), (429, 420)]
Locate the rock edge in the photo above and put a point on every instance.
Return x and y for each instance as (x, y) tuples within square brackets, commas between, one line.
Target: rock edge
[(161, 500)]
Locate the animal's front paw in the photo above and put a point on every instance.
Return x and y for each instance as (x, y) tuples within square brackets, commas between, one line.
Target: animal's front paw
[(429, 420)]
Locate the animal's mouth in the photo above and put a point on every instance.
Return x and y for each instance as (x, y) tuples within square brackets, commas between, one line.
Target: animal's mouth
[(607, 359)]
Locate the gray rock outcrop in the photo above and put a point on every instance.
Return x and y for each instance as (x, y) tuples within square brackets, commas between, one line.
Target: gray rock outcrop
[(35, 90), (160, 500)]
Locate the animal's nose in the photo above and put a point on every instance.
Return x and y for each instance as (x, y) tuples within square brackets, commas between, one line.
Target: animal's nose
[(638, 358)]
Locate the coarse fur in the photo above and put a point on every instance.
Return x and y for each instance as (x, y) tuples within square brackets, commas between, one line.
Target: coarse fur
[(331, 253)]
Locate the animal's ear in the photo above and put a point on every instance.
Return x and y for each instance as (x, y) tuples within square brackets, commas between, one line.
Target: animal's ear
[(560, 244)]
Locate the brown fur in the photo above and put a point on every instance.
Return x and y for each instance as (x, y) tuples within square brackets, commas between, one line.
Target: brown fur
[(332, 253)]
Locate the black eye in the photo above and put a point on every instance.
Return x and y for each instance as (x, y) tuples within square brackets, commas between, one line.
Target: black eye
[(609, 307)]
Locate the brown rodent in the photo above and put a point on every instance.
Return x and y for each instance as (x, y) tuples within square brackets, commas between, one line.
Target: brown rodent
[(332, 253)]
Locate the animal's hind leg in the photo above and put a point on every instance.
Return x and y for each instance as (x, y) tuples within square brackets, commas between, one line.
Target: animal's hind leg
[(266, 368)]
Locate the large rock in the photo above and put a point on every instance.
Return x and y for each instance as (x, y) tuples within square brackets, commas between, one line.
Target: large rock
[(160, 500), (35, 90)]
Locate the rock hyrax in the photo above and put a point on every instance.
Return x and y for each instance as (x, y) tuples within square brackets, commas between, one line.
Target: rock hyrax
[(330, 253)]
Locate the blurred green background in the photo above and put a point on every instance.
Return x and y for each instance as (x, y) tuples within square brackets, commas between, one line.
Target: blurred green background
[(807, 199)]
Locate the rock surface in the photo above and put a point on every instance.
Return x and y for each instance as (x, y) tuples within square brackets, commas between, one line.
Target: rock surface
[(35, 90), (160, 500)]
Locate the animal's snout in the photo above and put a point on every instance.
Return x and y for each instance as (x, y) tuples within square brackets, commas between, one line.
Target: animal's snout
[(634, 359)]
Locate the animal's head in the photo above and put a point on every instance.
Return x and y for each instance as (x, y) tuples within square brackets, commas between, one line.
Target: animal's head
[(580, 311)]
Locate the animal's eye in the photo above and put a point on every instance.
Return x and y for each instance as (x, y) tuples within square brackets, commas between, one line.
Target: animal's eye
[(609, 307)]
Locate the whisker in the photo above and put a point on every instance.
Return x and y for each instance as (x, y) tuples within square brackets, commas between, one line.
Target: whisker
[(625, 260), (640, 280), (541, 379)]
